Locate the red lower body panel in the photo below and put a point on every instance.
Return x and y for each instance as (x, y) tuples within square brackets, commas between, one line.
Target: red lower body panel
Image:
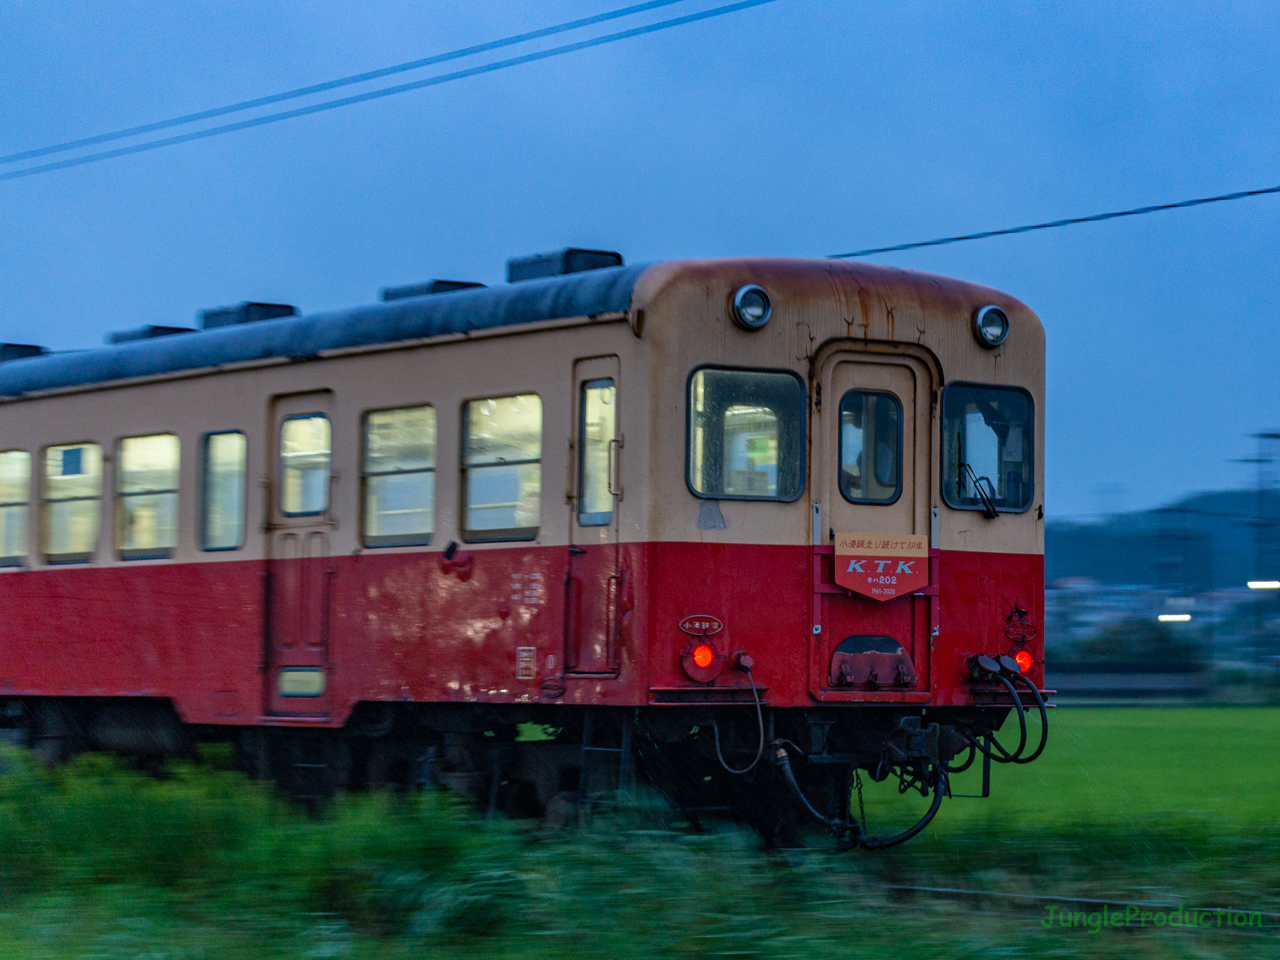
[(491, 627)]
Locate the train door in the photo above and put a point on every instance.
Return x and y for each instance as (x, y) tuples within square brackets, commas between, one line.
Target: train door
[(592, 578), (872, 480), (300, 572)]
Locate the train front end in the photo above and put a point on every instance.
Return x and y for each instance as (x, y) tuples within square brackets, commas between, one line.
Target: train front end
[(846, 578)]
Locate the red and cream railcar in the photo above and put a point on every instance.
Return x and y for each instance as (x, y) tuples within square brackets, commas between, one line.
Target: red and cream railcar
[(623, 502)]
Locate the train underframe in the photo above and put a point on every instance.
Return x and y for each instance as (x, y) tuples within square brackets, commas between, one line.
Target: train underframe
[(772, 768)]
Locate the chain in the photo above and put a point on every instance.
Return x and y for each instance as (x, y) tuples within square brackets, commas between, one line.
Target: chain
[(862, 812)]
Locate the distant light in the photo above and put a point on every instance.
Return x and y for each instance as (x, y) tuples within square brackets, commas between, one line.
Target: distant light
[(1174, 617), (1264, 584)]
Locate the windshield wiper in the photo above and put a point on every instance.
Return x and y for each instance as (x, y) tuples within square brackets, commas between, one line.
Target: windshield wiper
[(988, 506)]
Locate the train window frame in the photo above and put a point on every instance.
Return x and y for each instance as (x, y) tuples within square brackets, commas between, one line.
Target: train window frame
[(281, 465), (377, 541), (869, 501), (599, 518), (205, 498), (121, 499), (506, 534), (18, 559), (801, 443), (47, 503), (945, 480)]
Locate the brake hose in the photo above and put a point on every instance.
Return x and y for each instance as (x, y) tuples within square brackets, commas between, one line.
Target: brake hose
[(715, 730), (836, 825), (1044, 719), (1005, 755), (973, 753)]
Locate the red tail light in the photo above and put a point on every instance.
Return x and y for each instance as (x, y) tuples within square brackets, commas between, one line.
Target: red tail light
[(1024, 660)]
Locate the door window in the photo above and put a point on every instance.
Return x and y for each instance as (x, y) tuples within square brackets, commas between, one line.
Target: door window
[(597, 431), (870, 447), (71, 495), (746, 434), (502, 468), (399, 476), (305, 455), (147, 496), (986, 447), (15, 493)]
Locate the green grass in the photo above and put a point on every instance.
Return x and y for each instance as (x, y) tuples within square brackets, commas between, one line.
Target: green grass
[(1174, 806)]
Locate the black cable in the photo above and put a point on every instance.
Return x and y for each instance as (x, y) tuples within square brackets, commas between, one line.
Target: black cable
[(1092, 218), (973, 753), (715, 730), (838, 825), (1044, 720), (334, 84), (939, 789), (1005, 755), (378, 94)]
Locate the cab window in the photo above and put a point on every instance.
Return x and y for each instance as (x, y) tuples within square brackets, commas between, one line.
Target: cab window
[(870, 447), (987, 448), (746, 434)]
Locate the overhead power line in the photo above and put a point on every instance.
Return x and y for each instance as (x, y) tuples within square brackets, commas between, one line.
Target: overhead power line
[(378, 94), (334, 84), (1092, 218)]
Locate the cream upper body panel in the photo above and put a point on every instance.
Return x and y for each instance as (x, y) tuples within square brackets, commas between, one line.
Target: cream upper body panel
[(821, 307)]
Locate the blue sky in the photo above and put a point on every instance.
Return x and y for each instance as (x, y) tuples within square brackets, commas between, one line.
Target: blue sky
[(799, 128)]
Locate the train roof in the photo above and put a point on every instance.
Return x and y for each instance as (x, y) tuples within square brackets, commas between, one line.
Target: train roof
[(587, 293)]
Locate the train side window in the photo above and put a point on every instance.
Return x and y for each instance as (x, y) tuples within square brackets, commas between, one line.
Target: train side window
[(597, 430), (147, 496), (746, 434), (987, 447), (223, 491), (305, 462), (399, 476), (502, 468), (15, 497), (870, 447), (71, 498)]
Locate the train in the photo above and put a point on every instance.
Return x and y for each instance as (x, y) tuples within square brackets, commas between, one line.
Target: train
[(742, 530)]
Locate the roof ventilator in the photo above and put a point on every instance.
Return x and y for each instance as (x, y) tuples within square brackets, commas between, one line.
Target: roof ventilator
[(568, 260), (20, 351), (148, 332), (425, 289), (245, 313)]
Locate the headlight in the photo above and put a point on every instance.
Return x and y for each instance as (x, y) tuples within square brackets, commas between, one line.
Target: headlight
[(991, 326), (751, 307)]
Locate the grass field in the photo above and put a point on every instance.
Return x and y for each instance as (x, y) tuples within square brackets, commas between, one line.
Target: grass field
[(1171, 807)]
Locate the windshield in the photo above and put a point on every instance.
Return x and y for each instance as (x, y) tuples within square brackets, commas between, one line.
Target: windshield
[(986, 448)]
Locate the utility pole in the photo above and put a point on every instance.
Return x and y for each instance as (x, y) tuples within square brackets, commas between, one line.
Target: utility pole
[(1264, 568)]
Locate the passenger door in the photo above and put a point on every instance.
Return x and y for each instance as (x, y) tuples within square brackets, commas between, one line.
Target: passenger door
[(872, 480), (300, 568), (591, 583)]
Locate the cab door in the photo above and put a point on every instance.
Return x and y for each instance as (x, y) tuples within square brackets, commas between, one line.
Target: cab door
[(300, 568), (872, 479), (591, 583)]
